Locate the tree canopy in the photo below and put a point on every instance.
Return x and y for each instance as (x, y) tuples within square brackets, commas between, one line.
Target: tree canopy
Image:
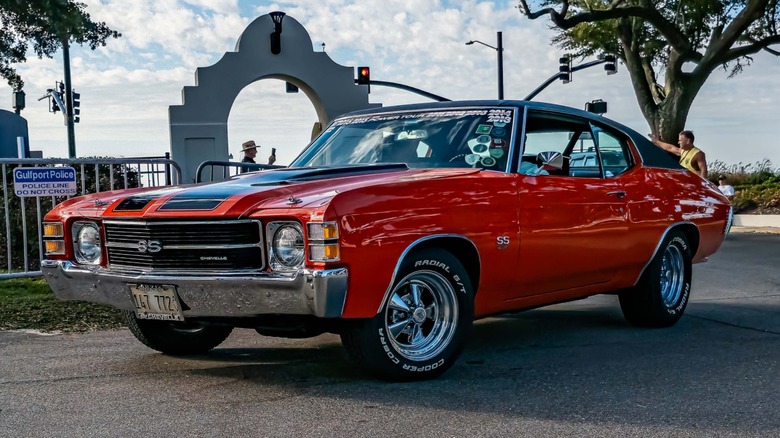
[(669, 48), (47, 25)]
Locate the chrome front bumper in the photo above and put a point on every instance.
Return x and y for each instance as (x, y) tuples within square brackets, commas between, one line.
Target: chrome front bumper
[(310, 292)]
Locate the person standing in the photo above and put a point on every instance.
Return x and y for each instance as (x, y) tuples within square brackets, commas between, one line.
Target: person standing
[(249, 148), (725, 187), (691, 157)]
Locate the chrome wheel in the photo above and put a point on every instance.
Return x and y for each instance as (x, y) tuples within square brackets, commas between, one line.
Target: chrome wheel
[(672, 276), (421, 315)]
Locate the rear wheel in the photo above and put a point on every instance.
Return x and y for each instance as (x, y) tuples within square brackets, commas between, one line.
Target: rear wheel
[(661, 295), (176, 338), (422, 326)]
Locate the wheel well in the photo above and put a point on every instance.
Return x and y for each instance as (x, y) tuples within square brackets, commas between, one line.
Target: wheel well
[(691, 234), (462, 249)]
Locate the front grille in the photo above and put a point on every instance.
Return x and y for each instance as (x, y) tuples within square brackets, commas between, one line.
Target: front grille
[(184, 246)]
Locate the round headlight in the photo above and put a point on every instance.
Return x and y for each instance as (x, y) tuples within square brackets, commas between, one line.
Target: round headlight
[(88, 248), (288, 246)]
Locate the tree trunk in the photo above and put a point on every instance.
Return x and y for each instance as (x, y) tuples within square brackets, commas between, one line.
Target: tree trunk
[(671, 114)]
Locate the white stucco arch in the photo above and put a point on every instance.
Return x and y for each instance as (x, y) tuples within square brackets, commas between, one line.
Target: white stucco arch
[(198, 127)]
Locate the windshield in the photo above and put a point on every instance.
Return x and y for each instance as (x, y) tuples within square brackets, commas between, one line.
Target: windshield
[(472, 137)]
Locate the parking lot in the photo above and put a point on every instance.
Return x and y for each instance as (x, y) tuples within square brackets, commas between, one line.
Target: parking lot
[(574, 369)]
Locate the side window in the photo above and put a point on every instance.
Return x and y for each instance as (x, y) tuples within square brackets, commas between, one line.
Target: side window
[(549, 134), (612, 151)]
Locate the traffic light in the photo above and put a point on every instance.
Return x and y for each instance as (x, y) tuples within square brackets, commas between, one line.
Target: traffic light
[(53, 107), (76, 104), (610, 64), (364, 76), (565, 69)]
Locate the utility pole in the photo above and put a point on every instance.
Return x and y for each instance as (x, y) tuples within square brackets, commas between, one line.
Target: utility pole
[(68, 99)]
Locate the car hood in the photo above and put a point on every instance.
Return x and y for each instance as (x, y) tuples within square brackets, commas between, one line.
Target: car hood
[(286, 188)]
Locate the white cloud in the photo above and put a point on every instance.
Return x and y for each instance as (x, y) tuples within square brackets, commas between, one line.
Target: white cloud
[(127, 86)]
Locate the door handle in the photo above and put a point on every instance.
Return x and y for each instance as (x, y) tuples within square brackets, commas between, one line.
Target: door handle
[(619, 193)]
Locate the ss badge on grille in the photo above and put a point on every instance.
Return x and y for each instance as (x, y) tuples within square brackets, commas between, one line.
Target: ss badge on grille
[(150, 246)]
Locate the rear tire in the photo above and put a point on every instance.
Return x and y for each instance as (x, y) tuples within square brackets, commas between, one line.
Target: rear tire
[(176, 338), (661, 295), (423, 324)]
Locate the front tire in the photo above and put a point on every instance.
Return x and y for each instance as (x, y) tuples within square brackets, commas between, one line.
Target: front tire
[(661, 295), (176, 338), (423, 324)]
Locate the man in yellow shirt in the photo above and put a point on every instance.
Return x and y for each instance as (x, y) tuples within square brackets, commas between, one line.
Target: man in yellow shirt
[(691, 157)]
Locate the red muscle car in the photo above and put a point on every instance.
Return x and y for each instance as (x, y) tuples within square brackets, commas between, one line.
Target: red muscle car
[(396, 228)]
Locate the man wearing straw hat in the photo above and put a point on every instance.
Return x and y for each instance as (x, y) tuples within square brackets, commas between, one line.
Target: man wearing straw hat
[(249, 148)]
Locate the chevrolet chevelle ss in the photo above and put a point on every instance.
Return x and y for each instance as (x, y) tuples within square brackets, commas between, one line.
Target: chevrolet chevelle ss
[(396, 228)]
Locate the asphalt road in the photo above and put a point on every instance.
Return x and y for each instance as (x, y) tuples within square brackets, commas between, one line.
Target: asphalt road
[(575, 369)]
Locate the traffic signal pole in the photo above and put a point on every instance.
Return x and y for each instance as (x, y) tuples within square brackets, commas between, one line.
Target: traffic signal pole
[(68, 99), (558, 75)]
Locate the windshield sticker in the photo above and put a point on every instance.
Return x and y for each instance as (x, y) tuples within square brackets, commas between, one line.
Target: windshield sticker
[(479, 148), (499, 124), (496, 153), (499, 132), (484, 129), (498, 143), (501, 116), (488, 161), (472, 159), (483, 139), (409, 116)]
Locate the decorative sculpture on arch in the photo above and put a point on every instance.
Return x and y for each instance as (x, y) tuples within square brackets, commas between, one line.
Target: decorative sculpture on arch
[(198, 127)]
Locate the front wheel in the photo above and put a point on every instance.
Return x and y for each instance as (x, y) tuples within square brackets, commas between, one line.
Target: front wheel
[(661, 295), (176, 338), (422, 326)]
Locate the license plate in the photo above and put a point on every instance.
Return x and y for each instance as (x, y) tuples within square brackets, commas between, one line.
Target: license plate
[(154, 301)]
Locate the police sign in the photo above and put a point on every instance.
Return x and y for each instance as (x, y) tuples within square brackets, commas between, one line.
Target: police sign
[(44, 181)]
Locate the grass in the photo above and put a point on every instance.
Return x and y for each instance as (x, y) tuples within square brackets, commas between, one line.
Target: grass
[(30, 304)]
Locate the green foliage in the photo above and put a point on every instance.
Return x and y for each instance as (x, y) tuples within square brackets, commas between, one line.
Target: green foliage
[(669, 48), (756, 185), (30, 304), (46, 24)]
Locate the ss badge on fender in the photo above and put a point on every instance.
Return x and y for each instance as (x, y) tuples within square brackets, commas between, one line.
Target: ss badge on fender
[(502, 242)]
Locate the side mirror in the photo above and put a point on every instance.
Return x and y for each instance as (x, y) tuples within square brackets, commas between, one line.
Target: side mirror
[(550, 160)]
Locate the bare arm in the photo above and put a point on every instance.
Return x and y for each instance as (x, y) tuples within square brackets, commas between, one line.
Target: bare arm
[(701, 163), (667, 146)]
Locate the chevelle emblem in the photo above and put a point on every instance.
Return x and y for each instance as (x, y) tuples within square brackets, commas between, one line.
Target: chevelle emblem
[(150, 246)]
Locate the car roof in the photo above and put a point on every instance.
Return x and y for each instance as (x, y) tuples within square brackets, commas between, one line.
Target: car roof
[(650, 154)]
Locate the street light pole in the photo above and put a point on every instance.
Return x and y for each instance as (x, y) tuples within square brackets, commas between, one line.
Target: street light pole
[(500, 51)]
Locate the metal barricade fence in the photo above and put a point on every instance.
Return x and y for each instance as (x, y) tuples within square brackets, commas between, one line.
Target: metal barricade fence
[(21, 235), (229, 169)]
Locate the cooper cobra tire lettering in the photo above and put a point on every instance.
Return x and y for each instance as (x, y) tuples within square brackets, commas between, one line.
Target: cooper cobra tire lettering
[(385, 345)]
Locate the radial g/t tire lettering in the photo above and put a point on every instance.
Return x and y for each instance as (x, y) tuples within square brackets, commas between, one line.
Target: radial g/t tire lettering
[(423, 324)]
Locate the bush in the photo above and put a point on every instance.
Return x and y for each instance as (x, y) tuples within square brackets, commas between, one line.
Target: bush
[(756, 185)]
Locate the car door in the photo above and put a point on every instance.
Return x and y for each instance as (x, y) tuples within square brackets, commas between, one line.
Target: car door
[(574, 220)]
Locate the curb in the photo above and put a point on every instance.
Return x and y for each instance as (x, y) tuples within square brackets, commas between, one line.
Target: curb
[(757, 221)]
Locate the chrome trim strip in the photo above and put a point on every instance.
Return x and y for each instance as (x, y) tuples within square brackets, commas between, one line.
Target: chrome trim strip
[(658, 247), (412, 246), (227, 246), (153, 223)]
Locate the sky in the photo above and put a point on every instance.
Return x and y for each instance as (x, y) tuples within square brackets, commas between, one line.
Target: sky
[(127, 86)]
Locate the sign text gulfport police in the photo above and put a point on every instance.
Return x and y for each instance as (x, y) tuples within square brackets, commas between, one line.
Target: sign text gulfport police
[(45, 181)]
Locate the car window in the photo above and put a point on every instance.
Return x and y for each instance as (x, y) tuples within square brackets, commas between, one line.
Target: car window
[(478, 137), (612, 151), (588, 150)]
